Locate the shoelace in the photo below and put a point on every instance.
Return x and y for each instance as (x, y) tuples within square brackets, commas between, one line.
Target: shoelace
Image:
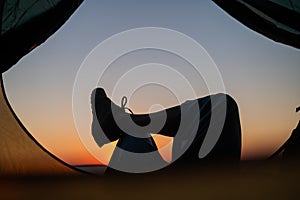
[(123, 104)]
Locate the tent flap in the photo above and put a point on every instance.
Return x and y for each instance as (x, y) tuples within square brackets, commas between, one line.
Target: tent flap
[(276, 19), (26, 24)]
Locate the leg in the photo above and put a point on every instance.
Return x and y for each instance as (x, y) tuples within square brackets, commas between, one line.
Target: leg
[(131, 155), (228, 146)]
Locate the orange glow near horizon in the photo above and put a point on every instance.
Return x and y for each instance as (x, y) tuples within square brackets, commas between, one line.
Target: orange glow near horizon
[(79, 155), (261, 135), (164, 145)]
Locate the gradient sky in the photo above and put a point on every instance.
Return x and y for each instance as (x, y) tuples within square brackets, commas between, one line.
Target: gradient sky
[(262, 75)]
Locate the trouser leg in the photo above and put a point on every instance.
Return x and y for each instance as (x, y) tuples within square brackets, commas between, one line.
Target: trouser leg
[(228, 145), (219, 117), (182, 121)]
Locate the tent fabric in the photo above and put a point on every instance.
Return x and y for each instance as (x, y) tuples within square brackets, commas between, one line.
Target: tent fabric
[(26, 24), (25, 11), (20, 153), (276, 19)]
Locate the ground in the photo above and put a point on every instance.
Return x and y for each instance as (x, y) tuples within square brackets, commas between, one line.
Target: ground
[(250, 180)]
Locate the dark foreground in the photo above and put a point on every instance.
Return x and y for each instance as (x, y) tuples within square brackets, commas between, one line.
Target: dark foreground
[(250, 180)]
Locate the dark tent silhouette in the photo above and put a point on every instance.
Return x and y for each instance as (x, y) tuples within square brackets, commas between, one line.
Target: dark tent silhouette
[(26, 24), (275, 19)]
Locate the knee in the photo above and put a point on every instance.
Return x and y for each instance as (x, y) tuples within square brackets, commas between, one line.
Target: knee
[(231, 104), (230, 139)]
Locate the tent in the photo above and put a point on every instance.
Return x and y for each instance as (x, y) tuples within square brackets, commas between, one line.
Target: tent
[(276, 19), (26, 24)]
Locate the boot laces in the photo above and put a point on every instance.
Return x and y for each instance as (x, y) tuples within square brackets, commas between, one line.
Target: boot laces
[(123, 104)]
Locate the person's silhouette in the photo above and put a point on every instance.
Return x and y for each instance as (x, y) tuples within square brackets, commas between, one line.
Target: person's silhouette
[(227, 147)]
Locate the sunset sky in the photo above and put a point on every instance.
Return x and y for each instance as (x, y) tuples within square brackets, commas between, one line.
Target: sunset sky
[(260, 74)]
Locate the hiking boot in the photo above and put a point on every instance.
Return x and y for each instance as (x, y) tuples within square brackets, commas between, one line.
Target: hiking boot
[(110, 116)]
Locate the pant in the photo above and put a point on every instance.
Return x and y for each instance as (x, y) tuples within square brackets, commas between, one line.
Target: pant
[(185, 122)]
